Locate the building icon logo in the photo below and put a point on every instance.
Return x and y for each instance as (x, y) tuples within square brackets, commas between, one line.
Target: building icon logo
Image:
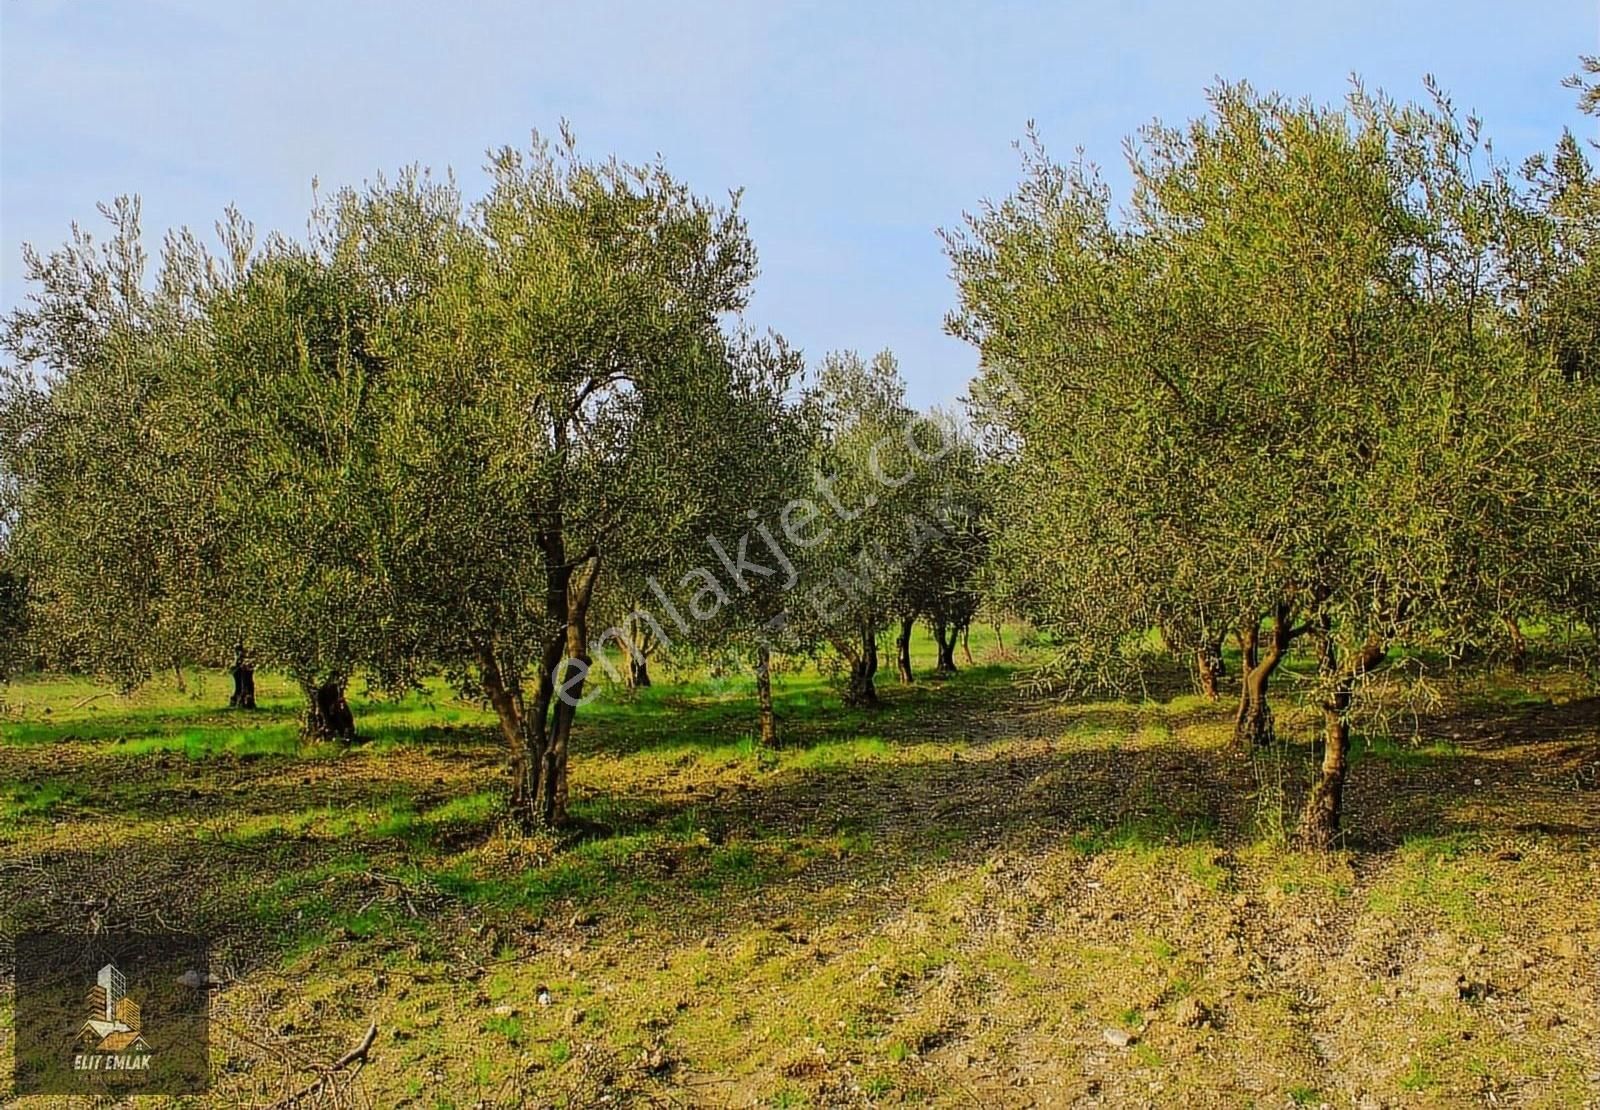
[(110, 1014), (110, 1039)]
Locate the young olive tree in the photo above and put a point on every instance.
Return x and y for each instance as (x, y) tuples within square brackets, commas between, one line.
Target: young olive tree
[(1281, 393), (1554, 271), (942, 583), (298, 402), (563, 398), (725, 595), (873, 459), (756, 517), (108, 516)]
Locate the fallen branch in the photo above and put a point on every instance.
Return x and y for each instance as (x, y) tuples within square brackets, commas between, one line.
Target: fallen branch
[(359, 1052), (81, 702), (356, 1056)]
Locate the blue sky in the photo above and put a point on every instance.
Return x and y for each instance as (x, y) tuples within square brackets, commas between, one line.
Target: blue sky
[(856, 129)]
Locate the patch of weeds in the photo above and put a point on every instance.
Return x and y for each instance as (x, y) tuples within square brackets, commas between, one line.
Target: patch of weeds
[(602, 868), (472, 809), (1018, 973), (367, 923), (297, 911), (296, 824), (1294, 872), (839, 753), (1399, 753), (1444, 847), (506, 1026), (206, 742), (1441, 874), (788, 1098), (1271, 818), (560, 1053), (1418, 1077), (1146, 833), (498, 986), (1203, 863), (1302, 1094), (847, 841), (1147, 1056), (863, 1027), (23, 801), (1503, 695), (398, 821), (534, 890), (732, 865)]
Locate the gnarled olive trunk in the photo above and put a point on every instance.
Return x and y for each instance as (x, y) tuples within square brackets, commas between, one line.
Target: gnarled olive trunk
[(863, 659), (769, 720), (522, 726), (638, 673), (902, 649), (1519, 644), (538, 733), (945, 637), (328, 715), (1209, 669), (1253, 725), (637, 644), (244, 681), (1319, 821)]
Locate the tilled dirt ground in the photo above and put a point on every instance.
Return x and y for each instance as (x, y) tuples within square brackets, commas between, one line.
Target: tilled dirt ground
[(991, 903)]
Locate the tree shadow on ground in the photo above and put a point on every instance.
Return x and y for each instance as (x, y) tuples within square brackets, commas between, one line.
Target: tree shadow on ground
[(1033, 779)]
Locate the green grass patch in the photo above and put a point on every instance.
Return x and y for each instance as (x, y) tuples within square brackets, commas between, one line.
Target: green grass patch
[(1145, 833), (1399, 752), (1442, 876)]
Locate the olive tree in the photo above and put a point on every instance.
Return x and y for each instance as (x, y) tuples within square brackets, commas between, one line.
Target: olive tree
[(723, 596), (877, 512), (109, 508), (561, 399), (1280, 394), (297, 397), (941, 584), (1555, 282)]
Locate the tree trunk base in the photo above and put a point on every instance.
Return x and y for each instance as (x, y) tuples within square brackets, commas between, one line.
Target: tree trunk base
[(902, 652), (244, 681), (1253, 727), (769, 719), (328, 716), (1319, 821), (946, 639), (860, 693), (1208, 671), (244, 688)]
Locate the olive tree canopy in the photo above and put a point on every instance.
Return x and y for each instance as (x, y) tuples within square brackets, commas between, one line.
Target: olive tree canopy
[(1281, 393)]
